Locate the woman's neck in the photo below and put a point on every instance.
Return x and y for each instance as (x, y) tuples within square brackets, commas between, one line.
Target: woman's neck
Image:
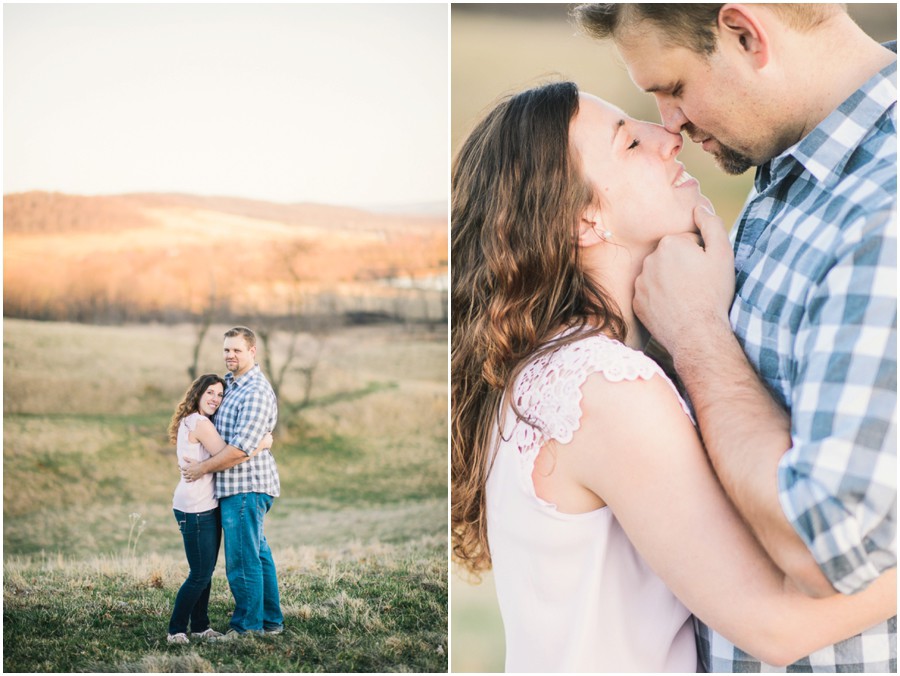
[(616, 268)]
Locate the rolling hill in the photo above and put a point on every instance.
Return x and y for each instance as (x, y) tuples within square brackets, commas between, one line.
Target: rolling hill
[(171, 256)]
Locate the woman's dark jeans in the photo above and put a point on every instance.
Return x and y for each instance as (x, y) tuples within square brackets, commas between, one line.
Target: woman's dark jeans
[(202, 533)]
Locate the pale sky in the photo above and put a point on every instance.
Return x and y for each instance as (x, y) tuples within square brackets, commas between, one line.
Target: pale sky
[(337, 104)]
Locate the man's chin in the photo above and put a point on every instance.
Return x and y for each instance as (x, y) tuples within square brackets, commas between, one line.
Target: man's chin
[(732, 163), (729, 160)]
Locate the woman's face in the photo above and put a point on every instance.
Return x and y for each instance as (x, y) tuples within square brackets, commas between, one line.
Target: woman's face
[(644, 193), (210, 399)]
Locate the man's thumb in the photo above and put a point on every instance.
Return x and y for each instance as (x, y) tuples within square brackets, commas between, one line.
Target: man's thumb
[(712, 230)]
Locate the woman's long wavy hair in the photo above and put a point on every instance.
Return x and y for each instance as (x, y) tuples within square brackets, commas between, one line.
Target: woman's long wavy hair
[(190, 402), (517, 280)]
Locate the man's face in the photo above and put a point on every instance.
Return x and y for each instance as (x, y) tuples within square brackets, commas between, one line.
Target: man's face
[(239, 357), (709, 98)]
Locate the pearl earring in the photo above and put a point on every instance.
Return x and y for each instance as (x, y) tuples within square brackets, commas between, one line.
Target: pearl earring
[(605, 235)]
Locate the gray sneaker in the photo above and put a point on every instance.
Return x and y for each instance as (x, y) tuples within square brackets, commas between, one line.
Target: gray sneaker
[(234, 635), (209, 633), (180, 637), (275, 630)]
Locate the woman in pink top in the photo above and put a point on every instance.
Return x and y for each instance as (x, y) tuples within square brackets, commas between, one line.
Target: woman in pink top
[(195, 505), (577, 472)]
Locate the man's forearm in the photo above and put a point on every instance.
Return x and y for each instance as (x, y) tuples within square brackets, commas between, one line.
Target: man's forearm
[(746, 433), (224, 459)]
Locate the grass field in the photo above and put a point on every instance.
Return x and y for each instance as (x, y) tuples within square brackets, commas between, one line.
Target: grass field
[(358, 534), (475, 625)]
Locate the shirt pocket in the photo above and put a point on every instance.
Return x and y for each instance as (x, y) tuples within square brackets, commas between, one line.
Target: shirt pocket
[(768, 342)]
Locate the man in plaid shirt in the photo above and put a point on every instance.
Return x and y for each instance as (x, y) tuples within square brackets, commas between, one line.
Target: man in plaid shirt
[(246, 488), (791, 368)]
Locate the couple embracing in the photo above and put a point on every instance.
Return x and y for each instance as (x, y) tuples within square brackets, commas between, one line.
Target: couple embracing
[(737, 511), (222, 431)]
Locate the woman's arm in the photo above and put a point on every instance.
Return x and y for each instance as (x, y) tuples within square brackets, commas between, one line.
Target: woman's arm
[(265, 444), (639, 452), (207, 434)]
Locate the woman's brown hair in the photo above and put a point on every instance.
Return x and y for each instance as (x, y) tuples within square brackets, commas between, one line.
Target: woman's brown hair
[(517, 199), (190, 402)]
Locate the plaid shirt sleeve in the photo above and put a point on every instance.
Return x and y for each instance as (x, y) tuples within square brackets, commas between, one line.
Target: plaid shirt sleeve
[(838, 483), (256, 417)]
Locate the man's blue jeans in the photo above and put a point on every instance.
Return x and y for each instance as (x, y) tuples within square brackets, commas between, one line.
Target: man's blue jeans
[(248, 563), (201, 534)]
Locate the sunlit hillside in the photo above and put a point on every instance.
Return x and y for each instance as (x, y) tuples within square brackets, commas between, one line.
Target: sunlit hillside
[(172, 257)]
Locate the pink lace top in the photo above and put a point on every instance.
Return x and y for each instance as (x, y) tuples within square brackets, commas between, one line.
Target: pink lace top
[(573, 592), (199, 495)]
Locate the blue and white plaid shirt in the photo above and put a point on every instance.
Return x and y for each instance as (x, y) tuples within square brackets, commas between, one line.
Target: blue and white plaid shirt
[(816, 313), (248, 411)]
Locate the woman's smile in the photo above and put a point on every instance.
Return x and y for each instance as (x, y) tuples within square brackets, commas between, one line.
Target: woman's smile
[(682, 178)]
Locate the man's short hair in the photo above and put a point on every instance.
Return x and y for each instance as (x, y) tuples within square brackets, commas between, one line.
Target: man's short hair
[(689, 25), (244, 332)]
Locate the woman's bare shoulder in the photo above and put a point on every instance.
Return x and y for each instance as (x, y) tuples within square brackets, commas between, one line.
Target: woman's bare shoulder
[(203, 420), (634, 410), (204, 424)]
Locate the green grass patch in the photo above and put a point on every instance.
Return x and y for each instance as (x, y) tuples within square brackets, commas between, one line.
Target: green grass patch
[(381, 609)]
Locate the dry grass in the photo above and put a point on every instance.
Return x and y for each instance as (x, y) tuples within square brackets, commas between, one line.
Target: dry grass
[(63, 368), (370, 607), (87, 408)]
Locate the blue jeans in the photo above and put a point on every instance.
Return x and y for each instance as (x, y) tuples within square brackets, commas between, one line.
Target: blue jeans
[(202, 534), (248, 563)]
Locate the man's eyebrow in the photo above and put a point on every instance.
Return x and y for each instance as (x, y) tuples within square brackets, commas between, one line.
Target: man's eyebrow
[(653, 89)]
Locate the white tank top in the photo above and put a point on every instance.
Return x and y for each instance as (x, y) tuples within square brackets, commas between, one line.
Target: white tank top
[(199, 495), (573, 592)]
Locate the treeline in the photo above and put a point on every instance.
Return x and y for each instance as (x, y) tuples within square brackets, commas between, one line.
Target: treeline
[(103, 305), (49, 212)]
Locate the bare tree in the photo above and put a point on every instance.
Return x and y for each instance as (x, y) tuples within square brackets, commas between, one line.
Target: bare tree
[(207, 315), (300, 356), (265, 333)]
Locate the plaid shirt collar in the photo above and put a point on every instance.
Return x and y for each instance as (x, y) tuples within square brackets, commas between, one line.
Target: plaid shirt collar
[(232, 383), (825, 151)]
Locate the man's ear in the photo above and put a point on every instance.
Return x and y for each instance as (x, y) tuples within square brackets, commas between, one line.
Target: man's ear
[(741, 28), (590, 227)]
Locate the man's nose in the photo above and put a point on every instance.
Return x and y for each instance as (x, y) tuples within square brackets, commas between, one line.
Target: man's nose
[(672, 117)]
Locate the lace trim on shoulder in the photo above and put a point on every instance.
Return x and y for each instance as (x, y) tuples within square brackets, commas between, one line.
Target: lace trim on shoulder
[(190, 421), (548, 391)]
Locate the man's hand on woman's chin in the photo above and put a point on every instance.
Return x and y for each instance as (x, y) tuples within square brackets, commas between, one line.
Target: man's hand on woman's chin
[(686, 287)]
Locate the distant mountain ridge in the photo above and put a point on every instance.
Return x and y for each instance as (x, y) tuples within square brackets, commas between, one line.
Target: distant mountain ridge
[(45, 212), (170, 257)]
